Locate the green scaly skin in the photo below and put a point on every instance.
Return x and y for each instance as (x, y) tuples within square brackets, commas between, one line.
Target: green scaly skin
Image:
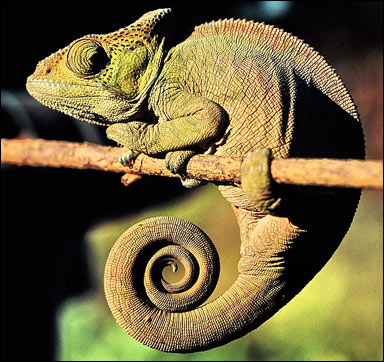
[(232, 87)]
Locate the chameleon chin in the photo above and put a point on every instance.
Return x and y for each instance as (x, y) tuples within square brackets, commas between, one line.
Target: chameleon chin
[(231, 87)]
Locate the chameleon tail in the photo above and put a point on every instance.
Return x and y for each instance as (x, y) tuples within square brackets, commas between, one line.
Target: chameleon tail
[(166, 316)]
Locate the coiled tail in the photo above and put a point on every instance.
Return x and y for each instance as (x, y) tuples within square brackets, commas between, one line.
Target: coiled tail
[(167, 316)]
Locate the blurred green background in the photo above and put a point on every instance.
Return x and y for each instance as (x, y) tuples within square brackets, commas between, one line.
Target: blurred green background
[(61, 224)]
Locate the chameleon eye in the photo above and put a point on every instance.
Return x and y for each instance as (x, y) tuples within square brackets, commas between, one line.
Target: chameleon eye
[(86, 57)]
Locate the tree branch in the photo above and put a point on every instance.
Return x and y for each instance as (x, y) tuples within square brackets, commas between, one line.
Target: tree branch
[(298, 171)]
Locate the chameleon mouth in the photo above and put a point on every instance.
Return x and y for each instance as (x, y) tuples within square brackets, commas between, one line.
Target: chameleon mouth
[(78, 113), (84, 102), (67, 98)]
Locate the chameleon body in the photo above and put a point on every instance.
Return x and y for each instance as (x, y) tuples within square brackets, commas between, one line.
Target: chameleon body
[(231, 87)]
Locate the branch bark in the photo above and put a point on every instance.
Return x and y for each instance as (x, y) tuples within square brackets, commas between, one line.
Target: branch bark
[(298, 171)]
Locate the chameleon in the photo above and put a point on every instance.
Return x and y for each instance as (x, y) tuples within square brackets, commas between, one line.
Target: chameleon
[(233, 88)]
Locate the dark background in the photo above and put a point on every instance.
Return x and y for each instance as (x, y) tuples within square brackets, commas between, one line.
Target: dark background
[(45, 212)]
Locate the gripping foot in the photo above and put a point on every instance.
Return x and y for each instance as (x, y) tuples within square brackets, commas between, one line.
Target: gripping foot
[(127, 156), (257, 182), (176, 162)]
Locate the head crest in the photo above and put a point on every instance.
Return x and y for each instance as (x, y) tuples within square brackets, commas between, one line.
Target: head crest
[(146, 27)]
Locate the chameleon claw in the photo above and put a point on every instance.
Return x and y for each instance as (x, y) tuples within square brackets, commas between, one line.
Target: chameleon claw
[(127, 156), (191, 183), (171, 166), (176, 161)]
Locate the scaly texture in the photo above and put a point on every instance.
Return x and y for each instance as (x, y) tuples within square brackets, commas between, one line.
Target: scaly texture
[(232, 87)]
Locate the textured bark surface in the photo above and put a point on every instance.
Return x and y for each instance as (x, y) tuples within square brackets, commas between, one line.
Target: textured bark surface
[(320, 172), (38, 152), (329, 172)]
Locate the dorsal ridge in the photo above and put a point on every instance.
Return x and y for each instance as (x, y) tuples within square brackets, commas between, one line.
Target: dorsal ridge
[(294, 52)]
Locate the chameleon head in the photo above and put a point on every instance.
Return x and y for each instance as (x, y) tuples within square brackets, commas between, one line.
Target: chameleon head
[(103, 79)]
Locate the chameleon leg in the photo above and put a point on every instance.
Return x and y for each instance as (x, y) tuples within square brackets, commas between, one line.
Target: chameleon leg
[(176, 162), (177, 134), (126, 136), (257, 182), (204, 122)]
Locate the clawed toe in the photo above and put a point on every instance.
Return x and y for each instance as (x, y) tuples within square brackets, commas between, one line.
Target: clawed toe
[(176, 161), (127, 156), (191, 183)]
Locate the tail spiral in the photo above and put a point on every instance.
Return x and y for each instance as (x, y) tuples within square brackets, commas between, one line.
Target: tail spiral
[(139, 304), (169, 316)]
